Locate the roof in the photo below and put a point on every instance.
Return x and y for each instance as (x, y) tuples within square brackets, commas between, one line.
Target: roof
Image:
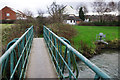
[(9, 8), (73, 18), (69, 10), (16, 11)]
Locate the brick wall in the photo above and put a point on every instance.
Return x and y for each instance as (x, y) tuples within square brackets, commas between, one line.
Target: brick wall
[(8, 14)]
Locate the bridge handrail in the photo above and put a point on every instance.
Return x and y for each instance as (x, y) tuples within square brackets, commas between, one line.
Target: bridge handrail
[(26, 41), (97, 70)]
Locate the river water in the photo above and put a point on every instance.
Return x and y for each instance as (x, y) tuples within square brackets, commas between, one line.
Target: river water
[(107, 61)]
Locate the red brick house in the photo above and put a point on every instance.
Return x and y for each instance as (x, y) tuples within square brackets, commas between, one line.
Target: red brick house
[(8, 13)]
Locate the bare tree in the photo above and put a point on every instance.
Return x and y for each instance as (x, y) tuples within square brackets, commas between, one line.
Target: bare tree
[(40, 12), (118, 7), (85, 10), (112, 6), (101, 7), (28, 21), (28, 13), (118, 11), (56, 12)]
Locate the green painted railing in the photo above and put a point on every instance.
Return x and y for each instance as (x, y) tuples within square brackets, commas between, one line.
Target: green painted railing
[(15, 60), (63, 57)]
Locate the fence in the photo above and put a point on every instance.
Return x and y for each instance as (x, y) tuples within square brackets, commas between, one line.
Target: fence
[(63, 57), (15, 60)]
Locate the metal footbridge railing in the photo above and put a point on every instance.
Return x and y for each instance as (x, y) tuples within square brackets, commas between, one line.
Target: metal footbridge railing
[(63, 56), (14, 61)]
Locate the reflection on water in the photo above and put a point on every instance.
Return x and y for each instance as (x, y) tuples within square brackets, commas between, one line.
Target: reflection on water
[(107, 61)]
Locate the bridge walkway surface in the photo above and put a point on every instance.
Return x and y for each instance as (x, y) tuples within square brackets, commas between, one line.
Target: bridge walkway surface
[(40, 65)]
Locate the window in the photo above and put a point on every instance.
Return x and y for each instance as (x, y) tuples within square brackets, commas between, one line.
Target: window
[(74, 21), (8, 14), (71, 21)]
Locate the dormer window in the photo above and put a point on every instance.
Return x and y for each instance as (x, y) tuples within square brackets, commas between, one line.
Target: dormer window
[(8, 14)]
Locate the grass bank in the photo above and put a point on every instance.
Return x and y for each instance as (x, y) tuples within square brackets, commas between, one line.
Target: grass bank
[(4, 26), (85, 39), (88, 34)]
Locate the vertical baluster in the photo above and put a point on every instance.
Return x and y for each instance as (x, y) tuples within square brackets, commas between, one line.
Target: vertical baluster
[(50, 41), (51, 46), (4, 67), (15, 57), (96, 77), (23, 43), (60, 53), (59, 59), (29, 43), (47, 38), (60, 49), (56, 55), (11, 62), (31, 39), (19, 69), (22, 50), (27, 36), (43, 31), (58, 43), (65, 55), (69, 62), (46, 33), (0, 72)]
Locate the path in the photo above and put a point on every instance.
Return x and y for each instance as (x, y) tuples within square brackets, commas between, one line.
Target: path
[(40, 65)]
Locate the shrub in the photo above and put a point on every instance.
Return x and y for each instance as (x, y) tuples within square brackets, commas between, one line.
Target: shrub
[(8, 21), (113, 44), (27, 23), (112, 23), (63, 30), (86, 50), (8, 34), (86, 24)]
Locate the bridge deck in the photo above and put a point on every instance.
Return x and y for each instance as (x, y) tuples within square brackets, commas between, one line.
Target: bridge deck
[(40, 65)]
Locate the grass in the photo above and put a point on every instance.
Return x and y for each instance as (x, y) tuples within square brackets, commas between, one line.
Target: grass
[(88, 34), (5, 30), (3, 26)]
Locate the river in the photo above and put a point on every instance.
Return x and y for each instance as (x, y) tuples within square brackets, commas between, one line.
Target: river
[(107, 61)]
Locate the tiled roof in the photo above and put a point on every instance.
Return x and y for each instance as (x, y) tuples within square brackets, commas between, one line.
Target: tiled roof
[(73, 18)]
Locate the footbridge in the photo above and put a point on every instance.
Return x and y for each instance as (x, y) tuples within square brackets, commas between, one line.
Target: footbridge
[(49, 57)]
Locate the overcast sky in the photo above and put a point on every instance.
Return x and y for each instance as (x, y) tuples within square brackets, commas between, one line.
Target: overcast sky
[(35, 5)]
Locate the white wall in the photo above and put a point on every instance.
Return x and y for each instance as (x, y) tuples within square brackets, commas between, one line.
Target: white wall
[(71, 23)]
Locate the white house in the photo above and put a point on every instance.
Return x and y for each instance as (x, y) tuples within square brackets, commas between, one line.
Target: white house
[(71, 20), (70, 11), (71, 15)]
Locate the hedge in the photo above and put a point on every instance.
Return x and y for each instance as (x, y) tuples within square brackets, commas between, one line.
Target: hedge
[(113, 23), (7, 21)]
